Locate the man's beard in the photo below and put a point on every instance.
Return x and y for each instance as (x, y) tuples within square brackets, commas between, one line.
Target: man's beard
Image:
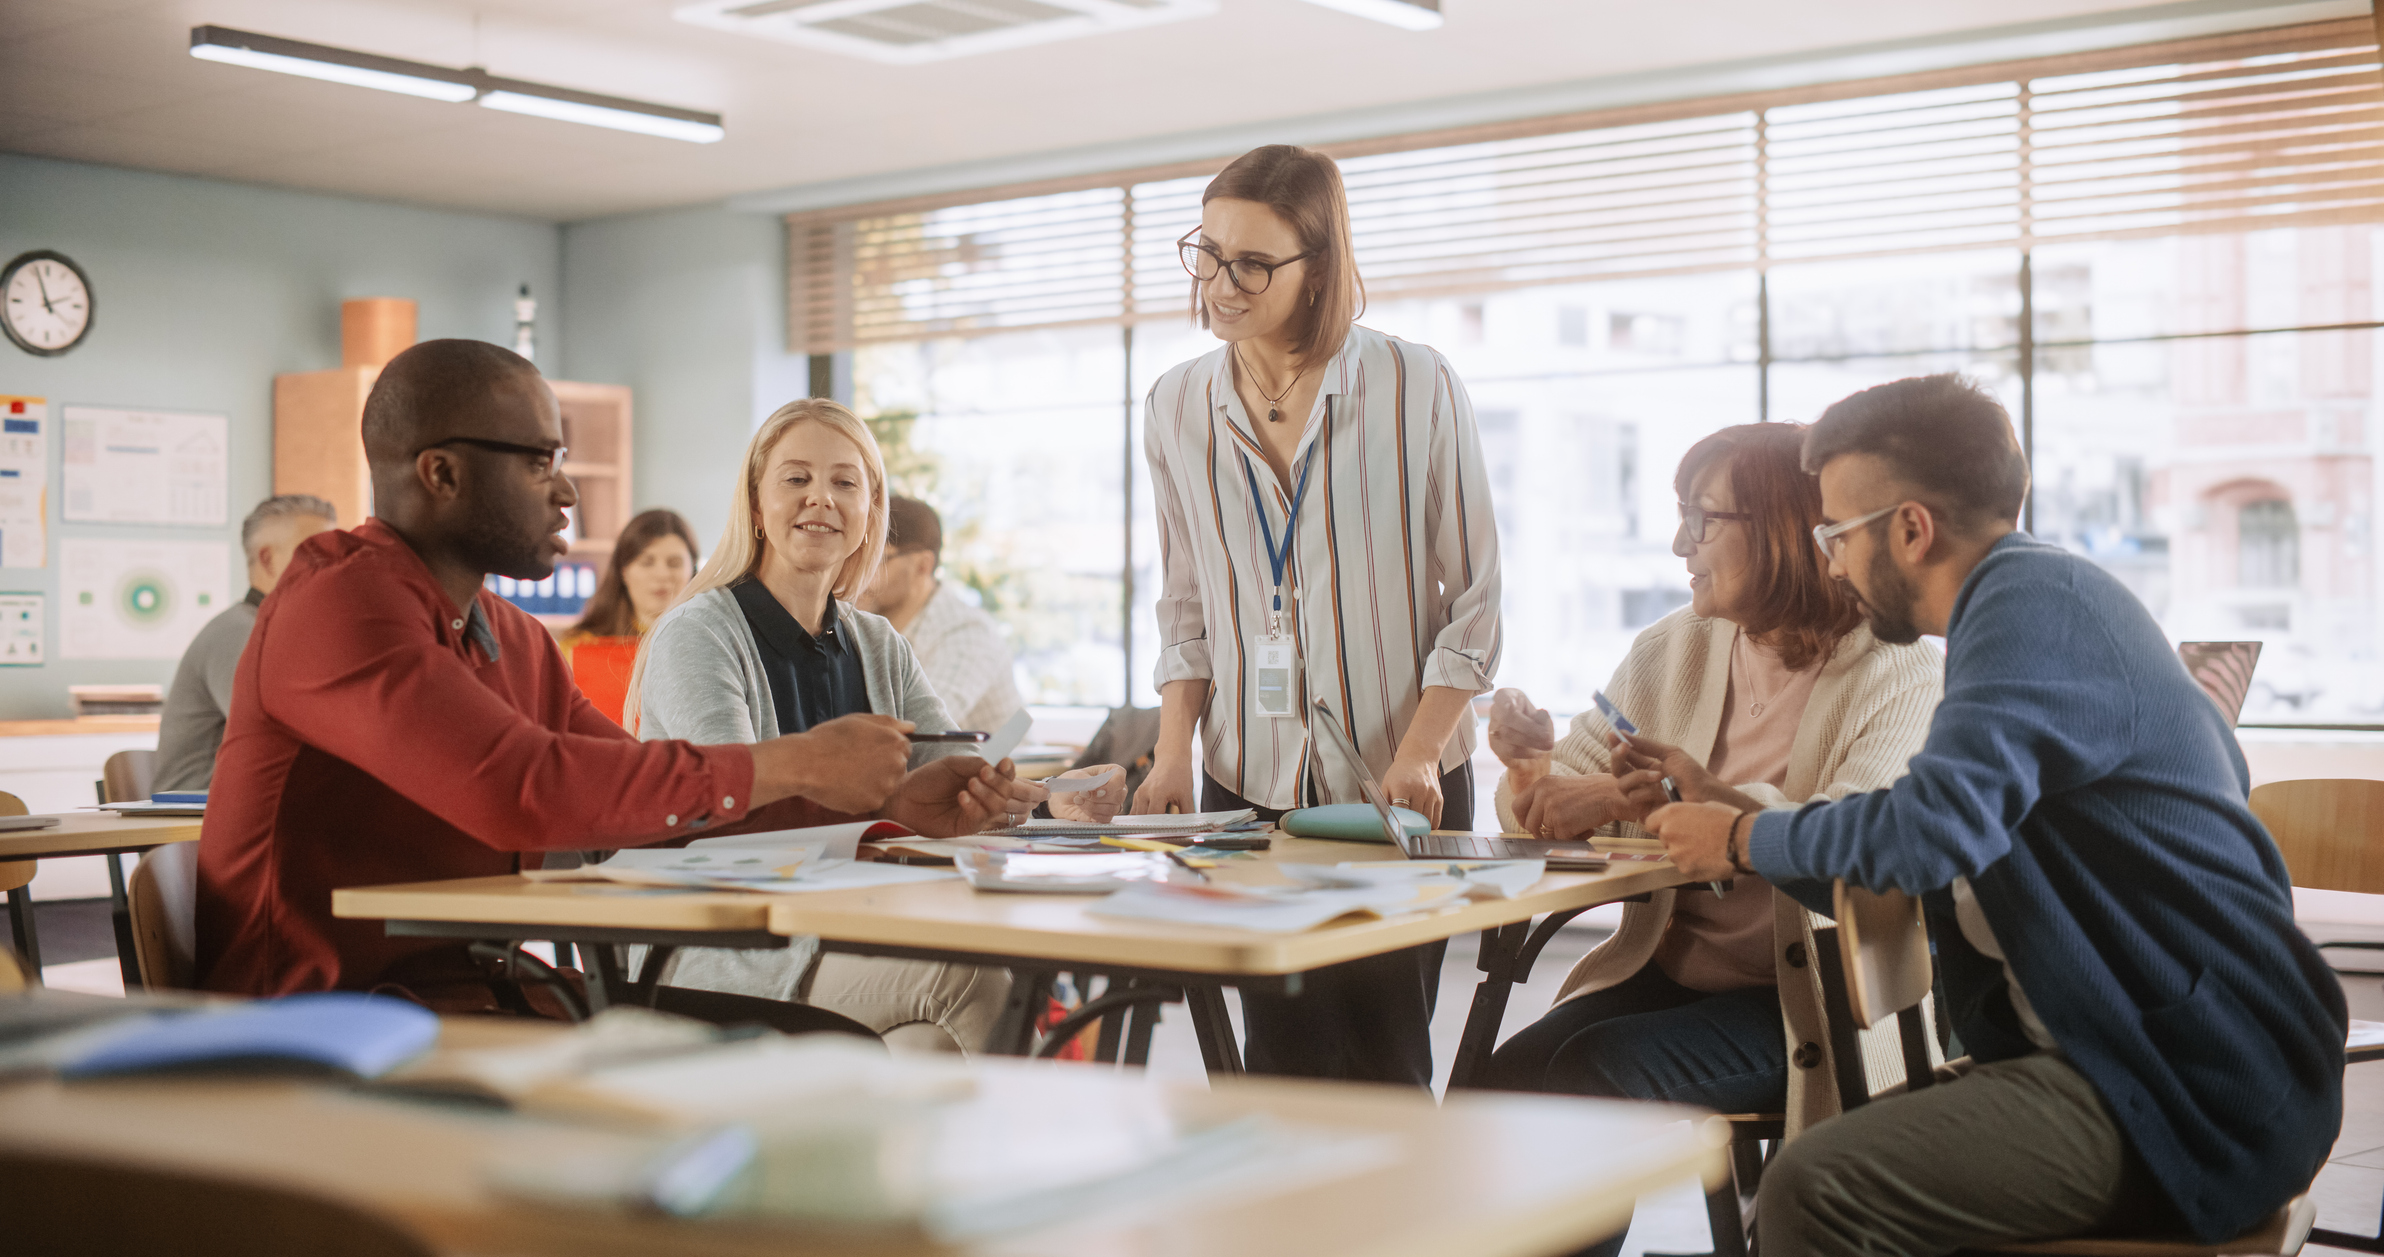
[(1888, 604), (495, 542)]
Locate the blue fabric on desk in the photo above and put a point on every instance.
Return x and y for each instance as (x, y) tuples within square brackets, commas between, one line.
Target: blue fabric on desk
[(2095, 797), (340, 1031)]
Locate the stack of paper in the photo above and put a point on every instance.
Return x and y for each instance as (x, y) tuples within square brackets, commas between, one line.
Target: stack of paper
[(1169, 825), (1029, 873)]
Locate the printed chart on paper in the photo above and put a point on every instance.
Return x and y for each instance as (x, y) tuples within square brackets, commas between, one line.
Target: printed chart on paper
[(144, 466), (24, 475), (20, 631), (138, 599)]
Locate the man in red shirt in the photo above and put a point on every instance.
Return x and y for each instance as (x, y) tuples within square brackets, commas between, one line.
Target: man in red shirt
[(393, 722)]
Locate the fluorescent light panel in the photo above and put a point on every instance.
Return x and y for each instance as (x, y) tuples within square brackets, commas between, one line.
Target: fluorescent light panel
[(414, 78), (1414, 15)]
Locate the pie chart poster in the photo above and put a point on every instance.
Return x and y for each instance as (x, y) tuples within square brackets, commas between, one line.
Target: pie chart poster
[(138, 599)]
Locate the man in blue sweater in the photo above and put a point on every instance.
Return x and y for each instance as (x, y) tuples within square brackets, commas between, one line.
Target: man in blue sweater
[(2157, 1047)]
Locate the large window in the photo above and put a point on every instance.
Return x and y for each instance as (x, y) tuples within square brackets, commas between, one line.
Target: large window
[(2161, 260)]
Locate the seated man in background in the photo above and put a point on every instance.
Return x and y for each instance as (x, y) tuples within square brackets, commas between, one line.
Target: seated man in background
[(2154, 1047), (392, 721), (958, 644), (193, 724)]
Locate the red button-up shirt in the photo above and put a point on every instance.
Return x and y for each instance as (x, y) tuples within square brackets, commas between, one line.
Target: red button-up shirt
[(373, 738)]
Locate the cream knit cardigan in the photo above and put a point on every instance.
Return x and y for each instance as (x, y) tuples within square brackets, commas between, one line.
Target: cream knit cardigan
[(1868, 715)]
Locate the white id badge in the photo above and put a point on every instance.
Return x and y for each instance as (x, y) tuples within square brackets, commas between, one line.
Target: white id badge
[(1275, 662)]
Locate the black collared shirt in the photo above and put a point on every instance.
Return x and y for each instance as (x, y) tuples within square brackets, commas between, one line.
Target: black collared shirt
[(812, 679)]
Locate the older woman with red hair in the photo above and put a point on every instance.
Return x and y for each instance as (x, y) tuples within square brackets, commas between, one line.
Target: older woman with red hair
[(1765, 691)]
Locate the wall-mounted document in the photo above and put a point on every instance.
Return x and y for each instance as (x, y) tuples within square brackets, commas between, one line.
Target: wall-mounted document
[(145, 467), (24, 481), (138, 599)]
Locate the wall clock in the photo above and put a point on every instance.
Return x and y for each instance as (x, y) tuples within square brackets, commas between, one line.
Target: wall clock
[(45, 302)]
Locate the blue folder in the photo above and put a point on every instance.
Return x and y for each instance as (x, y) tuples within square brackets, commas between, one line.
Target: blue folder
[(342, 1032)]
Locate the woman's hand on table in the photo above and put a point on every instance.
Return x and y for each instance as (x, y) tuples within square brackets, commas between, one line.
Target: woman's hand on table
[(1574, 807), (1522, 736), (1414, 784), (1093, 806), (1697, 837), (962, 794), (1168, 788)]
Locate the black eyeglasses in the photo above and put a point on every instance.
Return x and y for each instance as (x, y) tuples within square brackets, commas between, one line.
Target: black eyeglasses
[(1248, 274), (1696, 522), (549, 460)]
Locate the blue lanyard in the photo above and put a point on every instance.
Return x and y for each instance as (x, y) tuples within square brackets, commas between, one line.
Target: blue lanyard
[(1276, 558)]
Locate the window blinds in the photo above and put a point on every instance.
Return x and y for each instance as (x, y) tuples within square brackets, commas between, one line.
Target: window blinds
[(2265, 129)]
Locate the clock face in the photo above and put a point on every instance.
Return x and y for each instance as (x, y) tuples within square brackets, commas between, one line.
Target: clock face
[(45, 303)]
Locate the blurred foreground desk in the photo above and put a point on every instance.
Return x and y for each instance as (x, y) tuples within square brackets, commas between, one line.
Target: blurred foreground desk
[(86, 833), (1036, 936), (1481, 1176)]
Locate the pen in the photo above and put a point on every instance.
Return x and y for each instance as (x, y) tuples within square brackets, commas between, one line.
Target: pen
[(957, 735), (1186, 865)]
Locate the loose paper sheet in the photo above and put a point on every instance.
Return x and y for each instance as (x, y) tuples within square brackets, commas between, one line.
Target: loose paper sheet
[(20, 631), (145, 467), (138, 599), (24, 482)]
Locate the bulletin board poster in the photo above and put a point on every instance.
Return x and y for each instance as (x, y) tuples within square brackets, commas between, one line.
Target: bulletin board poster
[(24, 481), (145, 466), (138, 599), (20, 631)]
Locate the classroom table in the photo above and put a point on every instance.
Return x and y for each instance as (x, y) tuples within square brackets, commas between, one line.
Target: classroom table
[(1483, 1175), (89, 833), (1036, 936)]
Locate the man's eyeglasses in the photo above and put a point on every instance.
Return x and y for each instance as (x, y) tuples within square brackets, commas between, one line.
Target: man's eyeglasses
[(1696, 523), (1248, 274), (549, 461), (1828, 536)]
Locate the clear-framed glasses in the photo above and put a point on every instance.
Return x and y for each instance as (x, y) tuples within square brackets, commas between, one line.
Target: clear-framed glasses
[(1827, 536), (1696, 523), (549, 459), (1250, 275)]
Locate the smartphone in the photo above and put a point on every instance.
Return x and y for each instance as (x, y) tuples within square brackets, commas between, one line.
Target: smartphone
[(1613, 715), (957, 735)]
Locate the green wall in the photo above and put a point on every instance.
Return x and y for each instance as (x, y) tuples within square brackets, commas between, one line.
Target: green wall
[(203, 291)]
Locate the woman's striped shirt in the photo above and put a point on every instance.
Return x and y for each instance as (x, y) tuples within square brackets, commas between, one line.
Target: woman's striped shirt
[(1392, 584)]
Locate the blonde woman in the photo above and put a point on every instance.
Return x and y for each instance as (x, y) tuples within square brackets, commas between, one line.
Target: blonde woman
[(763, 642)]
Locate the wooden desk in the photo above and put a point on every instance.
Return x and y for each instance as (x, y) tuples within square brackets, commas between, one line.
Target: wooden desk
[(1481, 1176), (1034, 935), (89, 833)]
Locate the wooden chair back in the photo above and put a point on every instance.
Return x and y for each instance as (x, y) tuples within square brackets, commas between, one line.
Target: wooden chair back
[(164, 900), (1874, 964), (127, 776), (58, 1203), (15, 874), (2331, 831)]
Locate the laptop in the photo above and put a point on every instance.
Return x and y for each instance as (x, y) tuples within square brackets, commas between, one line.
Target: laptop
[(1429, 846)]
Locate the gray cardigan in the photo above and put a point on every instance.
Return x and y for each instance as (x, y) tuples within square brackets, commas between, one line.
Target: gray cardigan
[(704, 683)]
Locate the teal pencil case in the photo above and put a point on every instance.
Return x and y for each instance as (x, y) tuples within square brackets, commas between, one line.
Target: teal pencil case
[(1349, 822)]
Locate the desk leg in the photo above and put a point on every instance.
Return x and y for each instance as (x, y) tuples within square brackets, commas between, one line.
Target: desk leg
[(128, 956), (1211, 1022), (1141, 1020), (1113, 1026), (1502, 948), (1014, 1032), (607, 980), (20, 923)]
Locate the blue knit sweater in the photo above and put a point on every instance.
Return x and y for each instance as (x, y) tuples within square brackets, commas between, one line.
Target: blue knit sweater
[(2095, 798)]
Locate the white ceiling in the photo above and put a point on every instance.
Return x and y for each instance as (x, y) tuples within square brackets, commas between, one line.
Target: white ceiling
[(111, 81)]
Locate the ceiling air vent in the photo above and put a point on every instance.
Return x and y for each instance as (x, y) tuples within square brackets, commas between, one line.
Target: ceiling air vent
[(907, 32)]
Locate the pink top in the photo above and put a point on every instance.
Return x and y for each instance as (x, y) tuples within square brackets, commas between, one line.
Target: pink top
[(1724, 944)]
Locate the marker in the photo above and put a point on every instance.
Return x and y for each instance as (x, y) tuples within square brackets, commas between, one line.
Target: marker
[(957, 735)]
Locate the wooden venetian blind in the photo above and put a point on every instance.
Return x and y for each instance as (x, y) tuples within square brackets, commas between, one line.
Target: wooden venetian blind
[(2264, 129)]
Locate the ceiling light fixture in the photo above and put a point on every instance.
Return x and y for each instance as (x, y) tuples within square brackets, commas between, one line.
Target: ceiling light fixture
[(1414, 15), (415, 78)]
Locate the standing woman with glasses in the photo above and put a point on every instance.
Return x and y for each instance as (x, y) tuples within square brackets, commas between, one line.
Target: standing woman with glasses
[(1326, 537)]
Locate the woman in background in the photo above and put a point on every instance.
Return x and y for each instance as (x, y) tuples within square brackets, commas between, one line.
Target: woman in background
[(1325, 536), (651, 563)]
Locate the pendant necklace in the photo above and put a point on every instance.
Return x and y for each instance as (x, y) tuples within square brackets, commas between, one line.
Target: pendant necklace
[(1274, 415), (1755, 707)]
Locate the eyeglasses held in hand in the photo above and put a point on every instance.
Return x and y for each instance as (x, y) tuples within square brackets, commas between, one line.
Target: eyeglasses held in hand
[(1248, 274)]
